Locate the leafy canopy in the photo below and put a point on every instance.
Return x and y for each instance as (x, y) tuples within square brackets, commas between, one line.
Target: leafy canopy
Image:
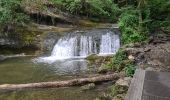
[(91, 8), (11, 13)]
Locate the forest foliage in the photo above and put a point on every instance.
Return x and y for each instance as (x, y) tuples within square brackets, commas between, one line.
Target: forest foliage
[(101, 9), (11, 13), (136, 18)]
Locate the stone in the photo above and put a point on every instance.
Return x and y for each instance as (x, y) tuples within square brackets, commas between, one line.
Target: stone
[(88, 86), (92, 57), (124, 81), (102, 69), (131, 58), (2, 57), (147, 49), (132, 51), (122, 74), (155, 63), (149, 69)]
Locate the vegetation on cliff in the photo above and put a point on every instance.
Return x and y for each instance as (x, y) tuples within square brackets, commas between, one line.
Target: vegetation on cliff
[(137, 18), (11, 14), (93, 9)]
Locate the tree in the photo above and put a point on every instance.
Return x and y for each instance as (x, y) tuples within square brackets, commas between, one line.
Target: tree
[(11, 13)]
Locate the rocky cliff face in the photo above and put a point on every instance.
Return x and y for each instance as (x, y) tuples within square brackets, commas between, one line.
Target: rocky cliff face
[(155, 55)]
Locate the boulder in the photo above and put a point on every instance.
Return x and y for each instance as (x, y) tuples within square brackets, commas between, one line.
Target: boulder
[(131, 57), (132, 51), (124, 81), (102, 69)]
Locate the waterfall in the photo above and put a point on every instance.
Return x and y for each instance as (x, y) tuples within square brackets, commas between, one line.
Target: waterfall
[(65, 47), (109, 43), (74, 45), (86, 45)]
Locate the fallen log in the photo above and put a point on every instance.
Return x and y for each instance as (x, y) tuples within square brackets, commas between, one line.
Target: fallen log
[(57, 84)]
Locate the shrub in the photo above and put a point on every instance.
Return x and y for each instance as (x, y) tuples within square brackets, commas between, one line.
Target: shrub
[(130, 27), (130, 69), (120, 62), (160, 13)]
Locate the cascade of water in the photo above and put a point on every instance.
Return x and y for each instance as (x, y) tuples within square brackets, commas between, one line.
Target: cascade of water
[(65, 47), (82, 45), (110, 43), (86, 45)]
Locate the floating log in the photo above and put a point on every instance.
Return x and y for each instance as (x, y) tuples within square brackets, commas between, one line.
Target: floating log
[(57, 84)]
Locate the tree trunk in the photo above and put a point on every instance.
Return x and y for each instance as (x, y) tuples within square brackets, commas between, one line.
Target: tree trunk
[(57, 84)]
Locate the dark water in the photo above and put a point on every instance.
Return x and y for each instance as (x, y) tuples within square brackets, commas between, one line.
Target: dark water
[(23, 70)]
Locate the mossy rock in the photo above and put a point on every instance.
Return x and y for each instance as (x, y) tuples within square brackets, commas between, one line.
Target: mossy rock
[(118, 89), (2, 57), (92, 57), (102, 69)]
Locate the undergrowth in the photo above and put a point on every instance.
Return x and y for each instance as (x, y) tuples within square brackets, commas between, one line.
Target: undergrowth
[(120, 62)]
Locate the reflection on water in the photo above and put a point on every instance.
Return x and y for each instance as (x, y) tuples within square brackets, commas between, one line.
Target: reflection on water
[(23, 70), (70, 66)]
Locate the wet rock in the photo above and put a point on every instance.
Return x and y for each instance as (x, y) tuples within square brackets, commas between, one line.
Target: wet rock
[(124, 81), (9, 42), (102, 69), (49, 41), (2, 57), (92, 57), (88, 86)]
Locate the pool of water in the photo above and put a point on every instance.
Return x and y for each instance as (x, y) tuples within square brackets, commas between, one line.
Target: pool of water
[(26, 70)]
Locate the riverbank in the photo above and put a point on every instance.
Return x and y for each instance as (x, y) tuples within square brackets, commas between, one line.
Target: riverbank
[(151, 56)]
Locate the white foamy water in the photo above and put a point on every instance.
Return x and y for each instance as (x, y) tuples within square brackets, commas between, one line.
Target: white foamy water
[(80, 46), (109, 44)]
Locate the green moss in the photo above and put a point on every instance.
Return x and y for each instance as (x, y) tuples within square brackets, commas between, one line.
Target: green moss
[(92, 57)]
